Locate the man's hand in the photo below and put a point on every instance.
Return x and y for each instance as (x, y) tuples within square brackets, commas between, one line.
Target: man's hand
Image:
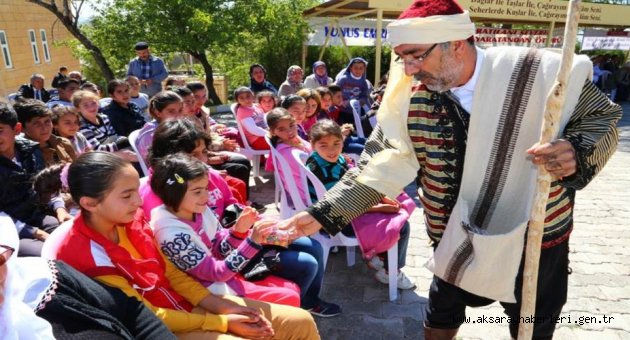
[(558, 157), (302, 224)]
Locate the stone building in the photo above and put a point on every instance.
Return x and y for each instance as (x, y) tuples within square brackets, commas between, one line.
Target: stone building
[(30, 39)]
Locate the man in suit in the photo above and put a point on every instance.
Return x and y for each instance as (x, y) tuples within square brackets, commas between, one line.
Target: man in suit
[(34, 90)]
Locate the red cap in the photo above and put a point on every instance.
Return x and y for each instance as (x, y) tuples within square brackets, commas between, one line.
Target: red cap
[(427, 8)]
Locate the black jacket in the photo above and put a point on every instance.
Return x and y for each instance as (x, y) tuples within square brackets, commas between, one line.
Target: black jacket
[(27, 91), (17, 198), (57, 79), (124, 121)]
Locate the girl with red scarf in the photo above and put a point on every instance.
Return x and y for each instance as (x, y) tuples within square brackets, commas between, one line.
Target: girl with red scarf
[(111, 242)]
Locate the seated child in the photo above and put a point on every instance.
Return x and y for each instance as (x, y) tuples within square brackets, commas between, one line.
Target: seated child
[(20, 160), (329, 166), (96, 128), (252, 118), (354, 83), (181, 135), (66, 123), (37, 125), (266, 100), (164, 105), (336, 103), (296, 106), (284, 138), (325, 102), (211, 254), (222, 150), (313, 106), (124, 115), (135, 96), (118, 249), (301, 262)]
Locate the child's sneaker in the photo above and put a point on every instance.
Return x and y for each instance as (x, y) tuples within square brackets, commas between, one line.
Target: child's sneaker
[(325, 309), (403, 282), (375, 263)]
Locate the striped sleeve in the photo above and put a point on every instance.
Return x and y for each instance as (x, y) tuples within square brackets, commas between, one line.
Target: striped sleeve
[(592, 130), (349, 198)]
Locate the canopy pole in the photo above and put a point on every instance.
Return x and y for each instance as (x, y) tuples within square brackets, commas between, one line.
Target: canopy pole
[(379, 43), (343, 41), (326, 41), (552, 26)]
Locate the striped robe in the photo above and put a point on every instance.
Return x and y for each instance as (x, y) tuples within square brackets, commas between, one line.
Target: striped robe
[(438, 129)]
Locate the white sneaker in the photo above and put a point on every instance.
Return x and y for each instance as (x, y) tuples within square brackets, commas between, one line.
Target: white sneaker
[(402, 281), (375, 263)]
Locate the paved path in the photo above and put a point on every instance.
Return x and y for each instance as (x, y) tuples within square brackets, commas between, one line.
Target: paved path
[(598, 287)]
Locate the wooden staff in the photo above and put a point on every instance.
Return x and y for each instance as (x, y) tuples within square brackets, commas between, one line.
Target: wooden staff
[(553, 110)]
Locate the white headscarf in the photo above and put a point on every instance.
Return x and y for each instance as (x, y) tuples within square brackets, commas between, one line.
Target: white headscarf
[(27, 280), (431, 30)]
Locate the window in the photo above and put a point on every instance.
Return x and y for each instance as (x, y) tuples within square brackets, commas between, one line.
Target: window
[(4, 44), (33, 39), (45, 45)]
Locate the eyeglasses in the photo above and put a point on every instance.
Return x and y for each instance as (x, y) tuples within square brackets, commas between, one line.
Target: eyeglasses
[(5, 254), (415, 60)]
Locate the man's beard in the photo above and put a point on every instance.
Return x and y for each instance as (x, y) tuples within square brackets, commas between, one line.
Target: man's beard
[(450, 72)]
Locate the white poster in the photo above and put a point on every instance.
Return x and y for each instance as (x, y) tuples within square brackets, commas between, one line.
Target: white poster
[(606, 43), (363, 33), (355, 32), (488, 37)]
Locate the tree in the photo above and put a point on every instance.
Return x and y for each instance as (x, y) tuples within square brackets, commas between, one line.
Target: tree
[(69, 15), (196, 27)]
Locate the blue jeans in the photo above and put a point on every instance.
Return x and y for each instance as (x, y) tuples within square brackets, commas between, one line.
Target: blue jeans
[(353, 144), (303, 264)]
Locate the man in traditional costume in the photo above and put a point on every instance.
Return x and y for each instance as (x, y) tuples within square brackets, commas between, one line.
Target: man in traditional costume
[(464, 123)]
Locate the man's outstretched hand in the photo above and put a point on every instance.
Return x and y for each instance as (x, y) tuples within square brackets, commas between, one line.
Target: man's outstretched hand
[(302, 224)]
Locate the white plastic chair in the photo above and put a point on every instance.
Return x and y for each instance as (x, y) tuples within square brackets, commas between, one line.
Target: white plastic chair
[(286, 189), (247, 151), (340, 239), (133, 138), (356, 112), (52, 243), (11, 97)]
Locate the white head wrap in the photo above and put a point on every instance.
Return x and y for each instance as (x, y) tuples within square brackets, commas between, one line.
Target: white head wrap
[(431, 30)]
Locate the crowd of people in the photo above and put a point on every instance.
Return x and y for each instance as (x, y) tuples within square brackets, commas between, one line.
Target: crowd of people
[(151, 195), (183, 239)]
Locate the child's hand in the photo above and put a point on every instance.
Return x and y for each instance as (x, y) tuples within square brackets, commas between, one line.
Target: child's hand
[(40, 235), (229, 144), (249, 327), (217, 159), (262, 230), (246, 220), (63, 215), (346, 129)]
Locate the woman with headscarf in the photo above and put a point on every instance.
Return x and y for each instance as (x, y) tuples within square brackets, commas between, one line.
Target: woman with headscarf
[(319, 77), (258, 80), (295, 75)]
